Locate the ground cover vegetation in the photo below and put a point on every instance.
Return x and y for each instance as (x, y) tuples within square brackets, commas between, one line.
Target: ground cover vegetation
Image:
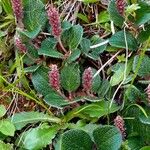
[(75, 74)]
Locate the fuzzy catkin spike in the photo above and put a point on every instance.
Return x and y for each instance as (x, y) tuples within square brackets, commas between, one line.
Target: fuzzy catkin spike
[(87, 79), (20, 45), (54, 21), (54, 78), (120, 4), (119, 123), (18, 9), (148, 93)]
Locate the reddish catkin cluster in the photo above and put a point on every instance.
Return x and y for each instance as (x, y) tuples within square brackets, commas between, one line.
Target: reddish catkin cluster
[(18, 9), (20, 45), (119, 123), (148, 93), (120, 6), (54, 77), (54, 21), (87, 79)]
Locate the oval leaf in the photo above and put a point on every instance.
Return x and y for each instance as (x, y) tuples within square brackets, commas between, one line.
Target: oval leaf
[(70, 77), (20, 120), (72, 37), (76, 140), (4, 146), (7, 127), (107, 138), (38, 138), (118, 40), (2, 110), (114, 14)]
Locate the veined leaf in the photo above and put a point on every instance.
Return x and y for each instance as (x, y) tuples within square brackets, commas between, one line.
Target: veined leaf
[(114, 14), (2, 110), (97, 110), (7, 127), (48, 48), (121, 38), (34, 15), (107, 138), (20, 120), (70, 77), (72, 37), (4, 146), (38, 138), (76, 140)]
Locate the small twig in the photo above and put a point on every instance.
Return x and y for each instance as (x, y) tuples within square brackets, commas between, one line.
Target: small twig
[(67, 17), (61, 45), (99, 44), (103, 72), (125, 70), (108, 62), (112, 27)]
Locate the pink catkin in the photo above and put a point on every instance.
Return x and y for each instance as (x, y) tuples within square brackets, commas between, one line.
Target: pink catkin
[(120, 4), (20, 45), (18, 9), (87, 79), (54, 21), (54, 78), (119, 123)]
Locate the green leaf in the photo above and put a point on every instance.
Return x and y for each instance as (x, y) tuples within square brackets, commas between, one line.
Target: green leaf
[(48, 48), (119, 73), (72, 37), (135, 126), (55, 100), (118, 40), (88, 128), (83, 17), (2, 110), (107, 138), (31, 69), (70, 77), (144, 34), (7, 128), (143, 119), (104, 88), (34, 15), (30, 34), (2, 33), (7, 6), (66, 25), (135, 143), (114, 14), (97, 110), (85, 45), (76, 140), (95, 52), (74, 55), (132, 93), (20, 120), (32, 55), (40, 81), (144, 68), (96, 82), (145, 148), (143, 17), (38, 138), (4, 146), (103, 17)]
